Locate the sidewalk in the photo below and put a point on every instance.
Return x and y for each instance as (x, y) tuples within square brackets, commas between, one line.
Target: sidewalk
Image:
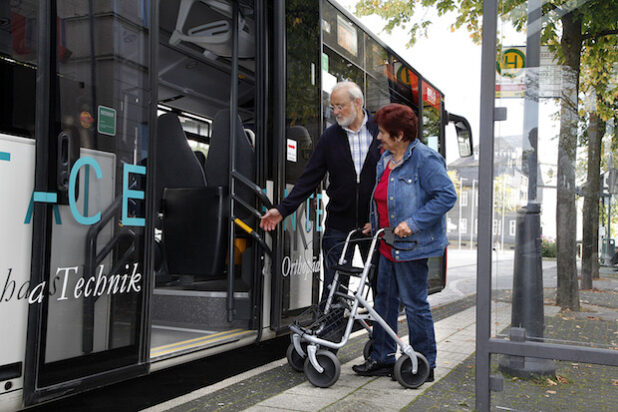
[(576, 387), (455, 339)]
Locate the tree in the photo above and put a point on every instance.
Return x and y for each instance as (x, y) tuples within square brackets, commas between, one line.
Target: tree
[(566, 27), (599, 56)]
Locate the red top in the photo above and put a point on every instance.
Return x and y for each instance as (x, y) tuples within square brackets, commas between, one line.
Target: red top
[(380, 196)]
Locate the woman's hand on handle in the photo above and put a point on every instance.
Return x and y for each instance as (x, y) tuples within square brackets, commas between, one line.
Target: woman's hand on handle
[(402, 230), (367, 228), (270, 220)]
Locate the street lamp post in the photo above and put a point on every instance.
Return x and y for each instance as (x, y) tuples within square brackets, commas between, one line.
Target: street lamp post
[(460, 208), (527, 308)]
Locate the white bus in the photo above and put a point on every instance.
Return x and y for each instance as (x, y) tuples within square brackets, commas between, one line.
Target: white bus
[(135, 163)]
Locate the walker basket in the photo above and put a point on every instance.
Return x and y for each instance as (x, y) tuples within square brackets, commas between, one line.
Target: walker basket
[(328, 326)]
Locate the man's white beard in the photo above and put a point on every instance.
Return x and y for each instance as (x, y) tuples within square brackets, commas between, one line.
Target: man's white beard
[(347, 121)]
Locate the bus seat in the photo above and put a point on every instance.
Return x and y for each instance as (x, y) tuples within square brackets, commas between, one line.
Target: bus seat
[(251, 137), (176, 164), (201, 157), (195, 230), (304, 148), (194, 223), (218, 160)]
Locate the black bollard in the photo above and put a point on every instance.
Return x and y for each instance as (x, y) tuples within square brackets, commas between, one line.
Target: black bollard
[(527, 322)]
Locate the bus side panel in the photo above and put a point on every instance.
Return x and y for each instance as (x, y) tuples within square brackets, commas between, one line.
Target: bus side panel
[(16, 184), (68, 251)]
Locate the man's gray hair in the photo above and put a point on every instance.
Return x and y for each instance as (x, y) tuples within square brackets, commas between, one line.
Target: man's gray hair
[(353, 90)]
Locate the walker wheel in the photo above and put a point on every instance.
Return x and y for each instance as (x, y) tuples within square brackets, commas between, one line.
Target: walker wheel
[(403, 371), (332, 369), (368, 348), (296, 361)]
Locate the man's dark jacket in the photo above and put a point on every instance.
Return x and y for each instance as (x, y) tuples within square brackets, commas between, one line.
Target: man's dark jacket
[(348, 205)]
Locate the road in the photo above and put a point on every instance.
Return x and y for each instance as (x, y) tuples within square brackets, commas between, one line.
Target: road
[(461, 274)]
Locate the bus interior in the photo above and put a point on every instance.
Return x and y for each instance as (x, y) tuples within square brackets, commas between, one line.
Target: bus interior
[(193, 174)]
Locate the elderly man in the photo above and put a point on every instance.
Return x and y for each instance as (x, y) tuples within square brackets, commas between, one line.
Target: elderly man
[(348, 151)]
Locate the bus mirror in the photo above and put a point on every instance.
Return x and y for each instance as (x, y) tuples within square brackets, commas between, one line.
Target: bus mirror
[(464, 134)]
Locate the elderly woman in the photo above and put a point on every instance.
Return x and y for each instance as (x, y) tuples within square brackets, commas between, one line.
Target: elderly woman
[(412, 195)]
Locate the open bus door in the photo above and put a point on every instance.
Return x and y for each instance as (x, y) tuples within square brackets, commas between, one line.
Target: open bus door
[(89, 267), (296, 48)]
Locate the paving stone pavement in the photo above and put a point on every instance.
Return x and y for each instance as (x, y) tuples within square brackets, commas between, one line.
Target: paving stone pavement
[(575, 387), (248, 392)]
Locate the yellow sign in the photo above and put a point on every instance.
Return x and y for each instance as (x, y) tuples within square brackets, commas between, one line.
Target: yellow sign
[(512, 62)]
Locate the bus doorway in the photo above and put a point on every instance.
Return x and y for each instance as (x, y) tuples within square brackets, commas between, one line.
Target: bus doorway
[(197, 60)]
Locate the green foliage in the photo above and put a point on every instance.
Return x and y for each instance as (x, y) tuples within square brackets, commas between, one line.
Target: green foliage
[(548, 247), (599, 53)]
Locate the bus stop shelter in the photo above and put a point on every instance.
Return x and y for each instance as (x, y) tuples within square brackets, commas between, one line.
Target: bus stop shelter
[(536, 97)]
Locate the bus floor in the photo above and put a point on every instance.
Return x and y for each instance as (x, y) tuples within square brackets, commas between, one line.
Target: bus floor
[(168, 340)]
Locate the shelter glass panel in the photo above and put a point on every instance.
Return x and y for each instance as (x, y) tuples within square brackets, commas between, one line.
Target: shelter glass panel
[(554, 267)]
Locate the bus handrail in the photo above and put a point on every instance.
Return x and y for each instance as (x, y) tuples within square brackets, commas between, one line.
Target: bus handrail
[(255, 188), (93, 259), (247, 206)]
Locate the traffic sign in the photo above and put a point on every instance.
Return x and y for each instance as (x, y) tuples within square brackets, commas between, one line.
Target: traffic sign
[(106, 121), (512, 62)]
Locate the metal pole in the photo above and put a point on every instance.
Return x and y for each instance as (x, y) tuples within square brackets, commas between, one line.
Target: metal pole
[(608, 257), (472, 214), (485, 209), (460, 208), (609, 228), (232, 158), (502, 212)]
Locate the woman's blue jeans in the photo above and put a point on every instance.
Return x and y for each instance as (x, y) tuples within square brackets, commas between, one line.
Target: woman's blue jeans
[(405, 281)]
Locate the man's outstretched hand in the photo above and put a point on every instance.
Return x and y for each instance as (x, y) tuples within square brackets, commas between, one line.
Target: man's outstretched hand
[(270, 220)]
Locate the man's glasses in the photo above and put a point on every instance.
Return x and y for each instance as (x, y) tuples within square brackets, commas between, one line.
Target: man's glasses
[(337, 107)]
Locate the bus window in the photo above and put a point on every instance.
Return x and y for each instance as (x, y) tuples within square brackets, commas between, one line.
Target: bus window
[(377, 83), (402, 86), (340, 69), (432, 112), (17, 67), (301, 230), (342, 35)]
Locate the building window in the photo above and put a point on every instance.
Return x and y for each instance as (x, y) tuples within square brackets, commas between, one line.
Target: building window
[(512, 226), (463, 225), (496, 227), (450, 226), (464, 198)]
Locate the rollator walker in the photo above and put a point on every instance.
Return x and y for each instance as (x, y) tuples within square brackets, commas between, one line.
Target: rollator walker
[(316, 333)]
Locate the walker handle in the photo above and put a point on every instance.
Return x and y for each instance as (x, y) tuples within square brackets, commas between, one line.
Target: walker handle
[(389, 238)]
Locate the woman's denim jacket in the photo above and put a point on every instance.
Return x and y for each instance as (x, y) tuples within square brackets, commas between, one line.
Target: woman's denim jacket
[(419, 192)]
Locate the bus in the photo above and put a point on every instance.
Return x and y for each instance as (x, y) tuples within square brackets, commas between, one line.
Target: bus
[(140, 142)]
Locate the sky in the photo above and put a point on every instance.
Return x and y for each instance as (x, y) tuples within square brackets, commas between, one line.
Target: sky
[(450, 60)]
